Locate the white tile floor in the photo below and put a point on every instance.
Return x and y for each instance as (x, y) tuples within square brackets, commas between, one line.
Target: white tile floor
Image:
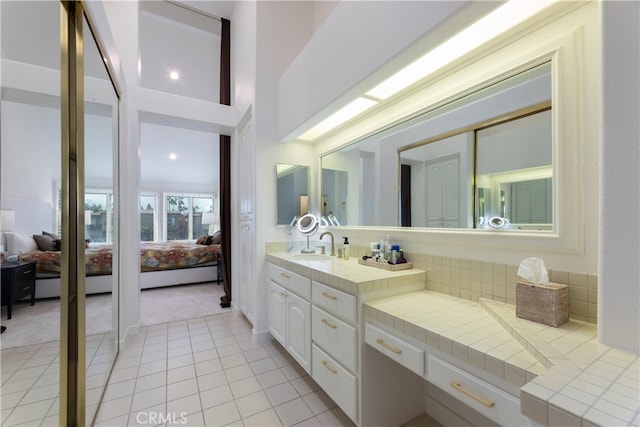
[(31, 377), (207, 371), (196, 372)]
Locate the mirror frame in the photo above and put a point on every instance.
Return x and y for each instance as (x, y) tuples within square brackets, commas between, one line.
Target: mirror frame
[(483, 68)]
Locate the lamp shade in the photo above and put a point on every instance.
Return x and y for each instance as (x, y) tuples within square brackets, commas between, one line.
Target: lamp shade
[(208, 218), (7, 220)]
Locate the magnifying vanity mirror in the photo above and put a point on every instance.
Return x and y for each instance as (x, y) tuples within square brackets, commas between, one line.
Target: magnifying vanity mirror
[(483, 156), (292, 192)]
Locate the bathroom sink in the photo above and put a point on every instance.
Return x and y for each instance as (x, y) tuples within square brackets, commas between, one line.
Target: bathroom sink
[(311, 257)]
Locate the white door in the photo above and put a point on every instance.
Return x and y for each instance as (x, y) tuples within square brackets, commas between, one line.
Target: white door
[(443, 192), (530, 200), (298, 322), (244, 277), (277, 312)]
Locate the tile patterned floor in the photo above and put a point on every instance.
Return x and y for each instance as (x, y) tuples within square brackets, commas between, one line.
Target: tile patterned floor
[(207, 371), (31, 377), (198, 372)]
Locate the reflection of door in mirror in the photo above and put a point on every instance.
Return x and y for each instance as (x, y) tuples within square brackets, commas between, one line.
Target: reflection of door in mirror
[(453, 128), (334, 192), (514, 162), (528, 202), (292, 189), (443, 192)]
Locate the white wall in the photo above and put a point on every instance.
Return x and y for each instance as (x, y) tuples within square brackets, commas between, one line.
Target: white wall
[(355, 40), (619, 263), (30, 153)]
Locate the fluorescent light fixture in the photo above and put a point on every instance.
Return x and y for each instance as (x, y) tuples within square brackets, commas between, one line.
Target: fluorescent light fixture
[(490, 26), (358, 106)]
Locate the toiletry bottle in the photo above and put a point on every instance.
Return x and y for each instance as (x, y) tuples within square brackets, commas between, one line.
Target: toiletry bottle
[(382, 249), (345, 248), (394, 253), (387, 249)]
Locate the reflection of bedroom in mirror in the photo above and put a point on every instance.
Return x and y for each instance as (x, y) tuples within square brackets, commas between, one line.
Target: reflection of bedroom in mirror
[(31, 168)]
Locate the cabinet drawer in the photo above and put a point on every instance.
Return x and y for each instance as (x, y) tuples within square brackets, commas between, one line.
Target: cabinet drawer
[(292, 281), (337, 302), (336, 381), (485, 398), (335, 336), (408, 355)]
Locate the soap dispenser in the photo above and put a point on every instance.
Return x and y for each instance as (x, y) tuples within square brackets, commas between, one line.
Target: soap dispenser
[(345, 248)]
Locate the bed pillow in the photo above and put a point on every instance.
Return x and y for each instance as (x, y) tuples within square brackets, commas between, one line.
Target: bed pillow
[(44, 242), (204, 240), (216, 239), (18, 244), (53, 236)]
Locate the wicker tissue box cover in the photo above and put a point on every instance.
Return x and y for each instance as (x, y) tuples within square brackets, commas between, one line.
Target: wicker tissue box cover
[(546, 304)]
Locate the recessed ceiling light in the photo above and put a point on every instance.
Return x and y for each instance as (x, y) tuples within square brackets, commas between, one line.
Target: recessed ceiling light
[(173, 156), (174, 75)]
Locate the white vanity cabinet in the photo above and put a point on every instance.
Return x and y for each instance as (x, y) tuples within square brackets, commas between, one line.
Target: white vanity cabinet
[(334, 334), (474, 392), (290, 314), (321, 326)]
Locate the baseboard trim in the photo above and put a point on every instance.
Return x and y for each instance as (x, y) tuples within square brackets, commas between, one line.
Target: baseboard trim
[(261, 337)]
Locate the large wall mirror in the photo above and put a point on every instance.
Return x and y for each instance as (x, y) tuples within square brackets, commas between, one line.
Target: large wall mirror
[(292, 191), (485, 155)]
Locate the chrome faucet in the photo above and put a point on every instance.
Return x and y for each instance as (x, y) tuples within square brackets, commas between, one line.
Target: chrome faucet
[(333, 248)]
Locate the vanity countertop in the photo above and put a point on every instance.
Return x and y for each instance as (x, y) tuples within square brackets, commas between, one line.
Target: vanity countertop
[(347, 275), (565, 376)]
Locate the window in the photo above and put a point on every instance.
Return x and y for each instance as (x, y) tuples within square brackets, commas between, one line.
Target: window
[(98, 216), (147, 218), (166, 216)]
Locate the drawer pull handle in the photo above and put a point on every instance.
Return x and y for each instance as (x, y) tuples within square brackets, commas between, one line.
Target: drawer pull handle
[(26, 288), (326, 365), (286, 276), (329, 324), (486, 402), (387, 346), (27, 272), (328, 295), (284, 294)]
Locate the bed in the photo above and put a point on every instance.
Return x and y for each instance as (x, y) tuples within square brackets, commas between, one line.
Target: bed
[(161, 263)]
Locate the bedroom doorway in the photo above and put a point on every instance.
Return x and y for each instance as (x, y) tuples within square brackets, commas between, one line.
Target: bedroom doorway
[(179, 203)]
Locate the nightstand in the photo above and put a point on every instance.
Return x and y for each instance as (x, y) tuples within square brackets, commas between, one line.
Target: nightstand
[(18, 281)]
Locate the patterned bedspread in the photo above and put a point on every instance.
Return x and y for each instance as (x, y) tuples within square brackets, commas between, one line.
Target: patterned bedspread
[(154, 256)]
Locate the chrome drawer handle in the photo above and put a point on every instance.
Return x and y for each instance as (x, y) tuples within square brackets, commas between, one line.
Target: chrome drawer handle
[(329, 324), (326, 365), (486, 402), (328, 295), (286, 276), (27, 272), (387, 346)]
